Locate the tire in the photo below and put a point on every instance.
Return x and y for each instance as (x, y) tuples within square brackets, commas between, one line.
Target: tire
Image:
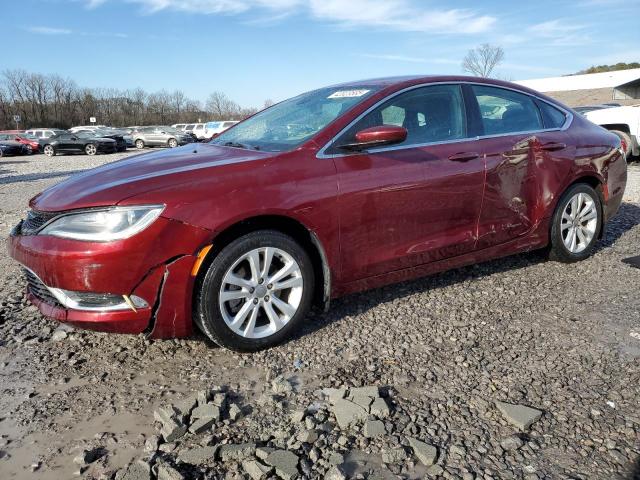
[(627, 140), (90, 149), (214, 318), (48, 150), (173, 143), (1, 153), (139, 144), (562, 227)]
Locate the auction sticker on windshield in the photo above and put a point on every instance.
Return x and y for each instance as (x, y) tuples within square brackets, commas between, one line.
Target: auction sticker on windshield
[(348, 93)]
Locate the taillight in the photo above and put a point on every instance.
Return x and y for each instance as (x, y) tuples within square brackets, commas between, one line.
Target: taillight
[(623, 145)]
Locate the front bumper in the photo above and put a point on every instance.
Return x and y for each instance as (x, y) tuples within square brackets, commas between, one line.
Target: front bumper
[(154, 265), (107, 147)]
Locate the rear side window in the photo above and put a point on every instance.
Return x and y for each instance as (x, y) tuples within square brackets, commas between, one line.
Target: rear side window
[(505, 111), (552, 117), (430, 114), (228, 124)]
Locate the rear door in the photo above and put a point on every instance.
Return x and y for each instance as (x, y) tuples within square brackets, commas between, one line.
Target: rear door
[(415, 202), (519, 150)]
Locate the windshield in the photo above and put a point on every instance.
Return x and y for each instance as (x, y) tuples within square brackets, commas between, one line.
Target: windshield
[(292, 122)]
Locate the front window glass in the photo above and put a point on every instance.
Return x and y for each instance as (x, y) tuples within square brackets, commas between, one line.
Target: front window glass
[(288, 124), (430, 114), (505, 111)]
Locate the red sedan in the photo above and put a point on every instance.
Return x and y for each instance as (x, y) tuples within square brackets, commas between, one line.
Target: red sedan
[(23, 138), (338, 190)]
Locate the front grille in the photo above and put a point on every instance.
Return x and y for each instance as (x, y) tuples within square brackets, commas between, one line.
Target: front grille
[(39, 289), (35, 220)]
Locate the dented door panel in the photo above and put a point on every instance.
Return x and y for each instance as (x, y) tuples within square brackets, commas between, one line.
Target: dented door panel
[(523, 175)]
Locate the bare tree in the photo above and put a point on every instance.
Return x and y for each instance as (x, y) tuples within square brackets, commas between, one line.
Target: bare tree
[(482, 60), (220, 107), (53, 101)]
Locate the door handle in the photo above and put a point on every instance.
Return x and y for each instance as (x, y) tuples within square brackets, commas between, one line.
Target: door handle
[(553, 146), (463, 156)]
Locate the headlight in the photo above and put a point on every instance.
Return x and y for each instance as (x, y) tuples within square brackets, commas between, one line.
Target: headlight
[(104, 225)]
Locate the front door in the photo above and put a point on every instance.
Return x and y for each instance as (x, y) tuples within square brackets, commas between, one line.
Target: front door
[(415, 202)]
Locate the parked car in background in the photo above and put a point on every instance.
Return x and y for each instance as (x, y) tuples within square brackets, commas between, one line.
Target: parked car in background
[(87, 128), (80, 142), (10, 147), (23, 138), (213, 129), (623, 121), (159, 136), (337, 190), (40, 133), (198, 131), (179, 126), (121, 144)]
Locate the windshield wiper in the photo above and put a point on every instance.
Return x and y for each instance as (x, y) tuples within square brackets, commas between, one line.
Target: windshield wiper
[(236, 145), (240, 145)]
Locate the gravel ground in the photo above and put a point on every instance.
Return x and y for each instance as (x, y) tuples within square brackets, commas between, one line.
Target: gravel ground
[(562, 339)]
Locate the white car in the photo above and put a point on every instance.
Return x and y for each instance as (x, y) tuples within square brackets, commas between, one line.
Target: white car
[(216, 128), (179, 126), (86, 128), (44, 132), (623, 121)]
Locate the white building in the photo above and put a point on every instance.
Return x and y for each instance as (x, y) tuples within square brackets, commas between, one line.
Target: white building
[(622, 86)]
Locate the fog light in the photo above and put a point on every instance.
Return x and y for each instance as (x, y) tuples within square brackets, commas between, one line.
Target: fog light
[(97, 301)]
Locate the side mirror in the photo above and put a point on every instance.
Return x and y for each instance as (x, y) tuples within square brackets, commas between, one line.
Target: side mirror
[(377, 137)]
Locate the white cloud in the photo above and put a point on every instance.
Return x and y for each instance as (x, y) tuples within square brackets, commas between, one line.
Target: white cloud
[(398, 15), (560, 33), (49, 30)]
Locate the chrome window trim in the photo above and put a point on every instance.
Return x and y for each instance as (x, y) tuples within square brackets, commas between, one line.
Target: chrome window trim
[(322, 155)]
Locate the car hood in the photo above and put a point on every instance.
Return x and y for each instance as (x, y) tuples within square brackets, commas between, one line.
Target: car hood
[(114, 182)]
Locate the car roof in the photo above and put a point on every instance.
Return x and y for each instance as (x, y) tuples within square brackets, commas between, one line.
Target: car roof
[(408, 80)]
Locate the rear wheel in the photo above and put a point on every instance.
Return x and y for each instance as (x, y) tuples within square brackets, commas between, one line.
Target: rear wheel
[(256, 292), (49, 150), (139, 144), (90, 149), (577, 223), (626, 140)]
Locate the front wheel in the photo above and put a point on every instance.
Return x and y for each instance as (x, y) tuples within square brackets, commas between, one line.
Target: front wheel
[(577, 223), (49, 151), (256, 292), (139, 144), (90, 149), (173, 143)]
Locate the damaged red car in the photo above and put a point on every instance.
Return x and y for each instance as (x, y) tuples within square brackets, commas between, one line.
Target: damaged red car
[(338, 190)]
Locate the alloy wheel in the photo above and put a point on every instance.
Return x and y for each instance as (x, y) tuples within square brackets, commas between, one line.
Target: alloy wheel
[(48, 151), (90, 149), (139, 144), (173, 143), (579, 222), (261, 292)]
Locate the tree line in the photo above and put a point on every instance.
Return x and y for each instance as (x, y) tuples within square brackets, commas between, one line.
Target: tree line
[(57, 102), (609, 68)]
